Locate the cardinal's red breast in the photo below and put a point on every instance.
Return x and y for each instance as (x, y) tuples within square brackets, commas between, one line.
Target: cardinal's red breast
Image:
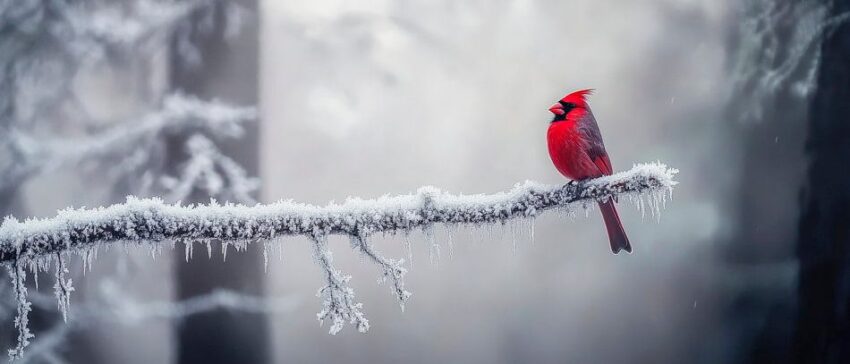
[(567, 148)]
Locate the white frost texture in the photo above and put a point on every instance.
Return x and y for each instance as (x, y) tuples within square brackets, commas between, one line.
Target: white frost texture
[(44, 244)]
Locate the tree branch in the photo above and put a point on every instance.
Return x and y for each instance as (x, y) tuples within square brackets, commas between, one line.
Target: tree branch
[(179, 114), (39, 243), (153, 221)]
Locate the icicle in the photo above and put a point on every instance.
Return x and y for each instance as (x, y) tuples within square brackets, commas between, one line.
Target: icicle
[(450, 242), (209, 249), (641, 206), (513, 228), (189, 246), (489, 232), (224, 251), (475, 233), (87, 260), (63, 287), (434, 251), (34, 277), (409, 246), (266, 257)]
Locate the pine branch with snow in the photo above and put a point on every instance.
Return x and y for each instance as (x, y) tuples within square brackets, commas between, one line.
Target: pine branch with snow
[(209, 170), (115, 306), (40, 243), (180, 114), (47, 47)]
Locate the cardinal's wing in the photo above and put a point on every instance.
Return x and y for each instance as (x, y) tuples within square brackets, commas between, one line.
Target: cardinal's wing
[(595, 148)]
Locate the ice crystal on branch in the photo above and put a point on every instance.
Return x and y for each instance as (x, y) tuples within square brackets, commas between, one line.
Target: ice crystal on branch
[(338, 303)]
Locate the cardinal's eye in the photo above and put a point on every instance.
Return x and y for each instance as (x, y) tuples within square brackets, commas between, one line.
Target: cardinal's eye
[(567, 106)]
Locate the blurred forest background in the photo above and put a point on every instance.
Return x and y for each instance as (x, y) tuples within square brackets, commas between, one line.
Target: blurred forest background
[(247, 100)]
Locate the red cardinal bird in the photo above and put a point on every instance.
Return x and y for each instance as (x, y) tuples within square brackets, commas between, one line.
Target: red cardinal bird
[(576, 149)]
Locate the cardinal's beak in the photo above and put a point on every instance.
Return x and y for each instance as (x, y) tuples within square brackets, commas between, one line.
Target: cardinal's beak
[(557, 109)]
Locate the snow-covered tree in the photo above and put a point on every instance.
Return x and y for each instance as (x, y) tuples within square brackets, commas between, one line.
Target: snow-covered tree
[(787, 69), (52, 56)]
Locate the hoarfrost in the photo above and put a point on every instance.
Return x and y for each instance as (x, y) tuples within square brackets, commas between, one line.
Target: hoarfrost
[(154, 223), (24, 307), (339, 304)]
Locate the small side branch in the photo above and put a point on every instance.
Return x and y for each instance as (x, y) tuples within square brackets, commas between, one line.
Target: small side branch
[(339, 304), (19, 277)]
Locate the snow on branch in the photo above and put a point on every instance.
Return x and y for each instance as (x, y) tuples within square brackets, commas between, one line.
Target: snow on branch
[(179, 114), (151, 220), (40, 243)]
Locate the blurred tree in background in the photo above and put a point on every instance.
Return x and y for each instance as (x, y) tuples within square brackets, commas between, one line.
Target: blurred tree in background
[(224, 67), (823, 249)]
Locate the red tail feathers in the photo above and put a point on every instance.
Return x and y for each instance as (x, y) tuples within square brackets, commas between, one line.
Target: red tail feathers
[(616, 234)]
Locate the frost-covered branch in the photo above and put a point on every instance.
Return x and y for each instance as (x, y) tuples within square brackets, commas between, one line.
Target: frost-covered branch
[(19, 276), (120, 307), (152, 221), (180, 114), (40, 243), (116, 306), (338, 297)]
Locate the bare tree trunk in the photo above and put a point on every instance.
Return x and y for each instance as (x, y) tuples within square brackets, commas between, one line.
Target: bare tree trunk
[(823, 324), (228, 72)]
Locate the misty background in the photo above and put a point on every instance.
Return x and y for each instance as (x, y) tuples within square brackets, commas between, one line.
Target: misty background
[(376, 97)]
